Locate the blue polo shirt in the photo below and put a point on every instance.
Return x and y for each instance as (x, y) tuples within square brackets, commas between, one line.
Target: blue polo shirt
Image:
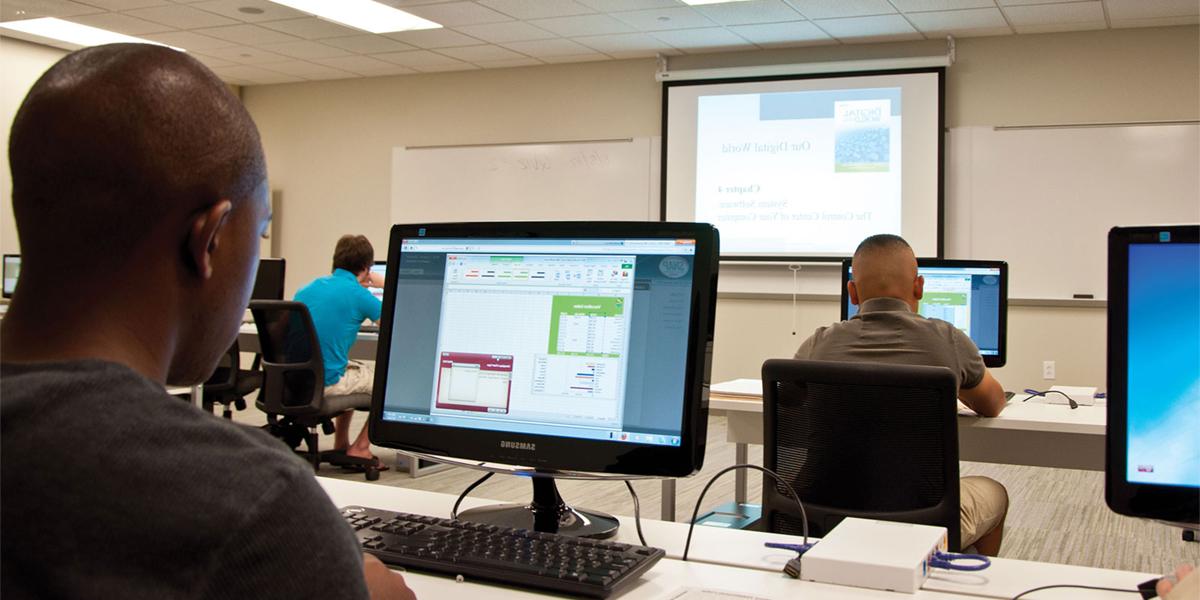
[(338, 304)]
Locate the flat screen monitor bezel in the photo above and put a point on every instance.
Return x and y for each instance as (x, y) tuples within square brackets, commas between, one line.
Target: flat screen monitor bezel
[(551, 453), (256, 293), (990, 360), (4, 266), (1179, 504)]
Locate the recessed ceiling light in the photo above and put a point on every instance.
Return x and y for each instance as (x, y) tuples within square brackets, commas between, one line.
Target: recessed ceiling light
[(74, 33), (700, 2), (366, 15)]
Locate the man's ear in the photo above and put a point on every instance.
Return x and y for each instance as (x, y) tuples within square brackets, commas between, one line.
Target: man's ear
[(853, 289), (919, 288), (204, 235)]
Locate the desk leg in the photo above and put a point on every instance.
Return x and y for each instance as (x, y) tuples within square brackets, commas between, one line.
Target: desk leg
[(741, 457), (667, 511)]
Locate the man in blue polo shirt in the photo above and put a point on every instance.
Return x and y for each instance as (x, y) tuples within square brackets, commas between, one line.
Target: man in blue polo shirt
[(339, 303)]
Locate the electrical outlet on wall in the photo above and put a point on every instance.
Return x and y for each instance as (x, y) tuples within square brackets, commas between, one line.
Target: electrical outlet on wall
[(1047, 369)]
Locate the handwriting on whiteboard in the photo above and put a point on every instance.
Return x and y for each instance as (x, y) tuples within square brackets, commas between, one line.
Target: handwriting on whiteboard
[(586, 160)]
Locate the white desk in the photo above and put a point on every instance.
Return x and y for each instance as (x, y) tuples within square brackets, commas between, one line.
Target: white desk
[(1030, 433), (363, 349), (733, 561)]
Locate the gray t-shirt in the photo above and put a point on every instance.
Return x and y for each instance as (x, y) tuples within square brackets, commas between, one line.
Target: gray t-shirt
[(113, 489), (886, 330)]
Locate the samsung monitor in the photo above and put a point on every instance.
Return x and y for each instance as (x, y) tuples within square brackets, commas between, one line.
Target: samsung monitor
[(12, 270), (380, 267), (268, 284), (972, 295), (558, 347), (1152, 467)]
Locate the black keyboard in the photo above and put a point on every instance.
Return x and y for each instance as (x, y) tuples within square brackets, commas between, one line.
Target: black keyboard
[(518, 557)]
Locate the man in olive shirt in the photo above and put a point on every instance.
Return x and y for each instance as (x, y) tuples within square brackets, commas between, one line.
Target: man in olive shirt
[(140, 192), (886, 287)]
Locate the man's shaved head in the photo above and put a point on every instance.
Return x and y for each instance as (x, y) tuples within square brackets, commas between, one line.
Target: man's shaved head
[(884, 266), (112, 139)]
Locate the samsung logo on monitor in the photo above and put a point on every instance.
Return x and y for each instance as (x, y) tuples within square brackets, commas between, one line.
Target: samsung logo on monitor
[(518, 445)]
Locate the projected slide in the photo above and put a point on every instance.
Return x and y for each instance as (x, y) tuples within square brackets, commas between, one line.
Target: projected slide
[(799, 172)]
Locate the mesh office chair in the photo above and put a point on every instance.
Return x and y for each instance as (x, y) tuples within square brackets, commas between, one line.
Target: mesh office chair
[(870, 440), (230, 384), (293, 387)]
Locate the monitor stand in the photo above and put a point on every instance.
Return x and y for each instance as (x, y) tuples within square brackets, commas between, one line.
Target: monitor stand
[(547, 513)]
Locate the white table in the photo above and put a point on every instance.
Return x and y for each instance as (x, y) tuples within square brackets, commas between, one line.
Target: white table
[(732, 561), (1032, 433), (363, 349)]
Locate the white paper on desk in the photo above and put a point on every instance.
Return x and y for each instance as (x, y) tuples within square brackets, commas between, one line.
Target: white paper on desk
[(701, 594), (738, 387)]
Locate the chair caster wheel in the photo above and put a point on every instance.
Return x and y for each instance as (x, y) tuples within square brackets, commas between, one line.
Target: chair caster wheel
[(372, 474)]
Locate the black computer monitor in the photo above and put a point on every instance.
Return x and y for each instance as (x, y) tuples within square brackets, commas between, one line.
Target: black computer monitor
[(268, 284), (1152, 467), (554, 346), (12, 270), (380, 267), (970, 294)]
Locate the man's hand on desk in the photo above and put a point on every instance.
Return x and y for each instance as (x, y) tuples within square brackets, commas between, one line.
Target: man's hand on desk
[(383, 583)]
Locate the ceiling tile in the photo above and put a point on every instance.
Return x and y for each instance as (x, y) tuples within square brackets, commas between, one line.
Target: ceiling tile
[(364, 65), (549, 48), (305, 50), (660, 19), (13, 10), (511, 31), (1024, 2), (311, 28), (247, 35), (582, 25), (212, 62), (250, 11), (1059, 27), (454, 14), (959, 22), (181, 17), (1147, 9), (188, 40), (745, 13), (420, 60), (619, 5), (626, 45), (246, 56), (434, 38), (120, 23), (478, 53), (1070, 13), (367, 44), (877, 28), (248, 75), (537, 9), (574, 58), (931, 5), (708, 38), (308, 70), (505, 64), (124, 4), (783, 34), (829, 9), (1154, 22)]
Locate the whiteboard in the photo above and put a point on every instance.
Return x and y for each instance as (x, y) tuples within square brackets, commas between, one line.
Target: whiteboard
[(1043, 199), (611, 180)]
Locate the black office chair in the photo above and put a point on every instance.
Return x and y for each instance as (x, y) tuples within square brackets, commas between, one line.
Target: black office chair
[(293, 387), (230, 384), (869, 440)]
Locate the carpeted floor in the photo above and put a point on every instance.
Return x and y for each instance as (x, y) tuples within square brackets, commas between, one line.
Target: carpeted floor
[(1055, 515)]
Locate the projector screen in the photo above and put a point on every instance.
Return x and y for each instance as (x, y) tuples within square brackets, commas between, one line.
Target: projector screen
[(806, 167)]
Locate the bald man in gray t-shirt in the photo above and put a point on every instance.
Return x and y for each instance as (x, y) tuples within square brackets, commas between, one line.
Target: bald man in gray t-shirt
[(888, 329)]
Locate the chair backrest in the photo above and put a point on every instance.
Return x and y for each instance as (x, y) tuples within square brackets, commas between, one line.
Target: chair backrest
[(225, 377), (293, 372), (870, 440)]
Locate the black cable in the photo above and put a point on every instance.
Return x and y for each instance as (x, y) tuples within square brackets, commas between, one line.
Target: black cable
[(1070, 400), (765, 471), (454, 511), (637, 512), (1081, 587)]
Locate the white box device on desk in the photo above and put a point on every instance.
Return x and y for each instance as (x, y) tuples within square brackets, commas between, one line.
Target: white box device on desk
[(1082, 395), (874, 554)]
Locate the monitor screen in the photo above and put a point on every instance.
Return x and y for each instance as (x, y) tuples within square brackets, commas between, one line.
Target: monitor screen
[(380, 267), (970, 294), (1153, 467), (571, 346), (268, 284), (12, 270)]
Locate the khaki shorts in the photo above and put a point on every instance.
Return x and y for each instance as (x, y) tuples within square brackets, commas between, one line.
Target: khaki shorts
[(983, 504), (359, 378)]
